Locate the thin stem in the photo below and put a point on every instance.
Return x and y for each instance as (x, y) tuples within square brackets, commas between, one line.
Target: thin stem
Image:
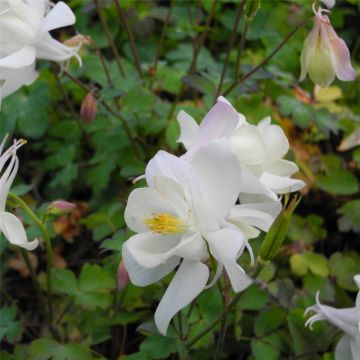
[(180, 323), (242, 45), (230, 46), (47, 241), (203, 36), (110, 39), (66, 309), (221, 339), (130, 36), (224, 313), (266, 60)]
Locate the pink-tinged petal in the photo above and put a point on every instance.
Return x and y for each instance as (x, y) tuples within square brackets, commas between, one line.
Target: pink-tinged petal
[(341, 60), (189, 129), (188, 282)]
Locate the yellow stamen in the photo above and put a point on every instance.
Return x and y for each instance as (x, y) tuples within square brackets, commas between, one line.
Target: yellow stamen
[(162, 223)]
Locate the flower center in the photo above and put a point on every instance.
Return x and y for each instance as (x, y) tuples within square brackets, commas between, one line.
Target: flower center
[(162, 223)]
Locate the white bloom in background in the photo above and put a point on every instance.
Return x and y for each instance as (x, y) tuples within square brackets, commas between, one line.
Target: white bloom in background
[(328, 3), (324, 54), (10, 225), (187, 209), (347, 320), (260, 148), (25, 37)]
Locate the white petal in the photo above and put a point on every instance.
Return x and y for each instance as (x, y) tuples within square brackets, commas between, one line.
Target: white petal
[(249, 144), (165, 164), (19, 59), (191, 247), (281, 167), (281, 185), (328, 3), (218, 171), (141, 276), (189, 129), (59, 16), (343, 349), (151, 250), (276, 142), (142, 204), (226, 245), (14, 231), (262, 203), (188, 282), (253, 217)]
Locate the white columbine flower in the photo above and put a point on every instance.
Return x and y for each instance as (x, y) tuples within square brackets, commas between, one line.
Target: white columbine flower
[(260, 148), (347, 320), (10, 225), (187, 209), (25, 37), (324, 54)]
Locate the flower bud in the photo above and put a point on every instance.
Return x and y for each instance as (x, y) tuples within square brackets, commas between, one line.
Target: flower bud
[(324, 54), (122, 276), (278, 231), (88, 108), (61, 207)]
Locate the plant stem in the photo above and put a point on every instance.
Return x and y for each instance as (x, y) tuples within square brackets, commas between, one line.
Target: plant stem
[(221, 339), (224, 313), (110, 39), (181, 331), (48, 247), (266, 60), (242, 45), (230, 46), (130, 36)]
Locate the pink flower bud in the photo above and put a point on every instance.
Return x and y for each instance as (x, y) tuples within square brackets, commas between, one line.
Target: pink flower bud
[(61, 207), (324, 54), (122, 276), (88, 108)]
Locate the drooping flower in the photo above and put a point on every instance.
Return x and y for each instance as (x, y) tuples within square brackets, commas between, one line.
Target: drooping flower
[(25, 27), (347, 320), (260, 148), (324, 54), (10, 225), (188, 208)]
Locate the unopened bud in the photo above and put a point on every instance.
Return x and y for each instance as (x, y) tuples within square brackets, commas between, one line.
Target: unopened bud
[(278, 231), (61, 207), (122, 276), (251, 8), (88, 108)]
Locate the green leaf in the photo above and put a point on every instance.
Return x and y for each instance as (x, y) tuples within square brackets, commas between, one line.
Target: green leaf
[(64, 281), (158, 347), (317, 264), (43, 349), (10, 328), (263, 350), (93, 277), (350, 219), (269, 320), (298, 265), (343, 267), (254, 298), (339, 182), (200, 83)]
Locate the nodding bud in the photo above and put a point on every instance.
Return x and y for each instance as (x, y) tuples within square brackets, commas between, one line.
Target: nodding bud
[(122, 276), (88, 108), (61, 207)]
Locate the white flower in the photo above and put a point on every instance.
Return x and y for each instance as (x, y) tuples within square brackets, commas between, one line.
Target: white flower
[(188, 208), (25, 37), (328, 3), (10, 225), (347, 320), (260, 148)]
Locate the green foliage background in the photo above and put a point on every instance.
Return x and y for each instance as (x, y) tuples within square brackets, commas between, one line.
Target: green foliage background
[(92, 164)]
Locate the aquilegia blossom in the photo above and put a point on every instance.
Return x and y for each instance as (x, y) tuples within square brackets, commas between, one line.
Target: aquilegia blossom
[(347, 320), (324, 54), (187, 211), (10, 225), (25, 37), (260, 148)]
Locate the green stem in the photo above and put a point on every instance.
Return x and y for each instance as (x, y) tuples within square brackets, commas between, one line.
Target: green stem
[(230, 46), (223, 314), (48, 247), (265, 61), (242, 45)]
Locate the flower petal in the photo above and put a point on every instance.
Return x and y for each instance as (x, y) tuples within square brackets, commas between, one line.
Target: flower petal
[(18, 59), (189, 129), (14, 231), (141, 276), (218, 172), (281, 185), (226, 245), (188, 282), (341, 60), (343, 349), (59, 16)]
